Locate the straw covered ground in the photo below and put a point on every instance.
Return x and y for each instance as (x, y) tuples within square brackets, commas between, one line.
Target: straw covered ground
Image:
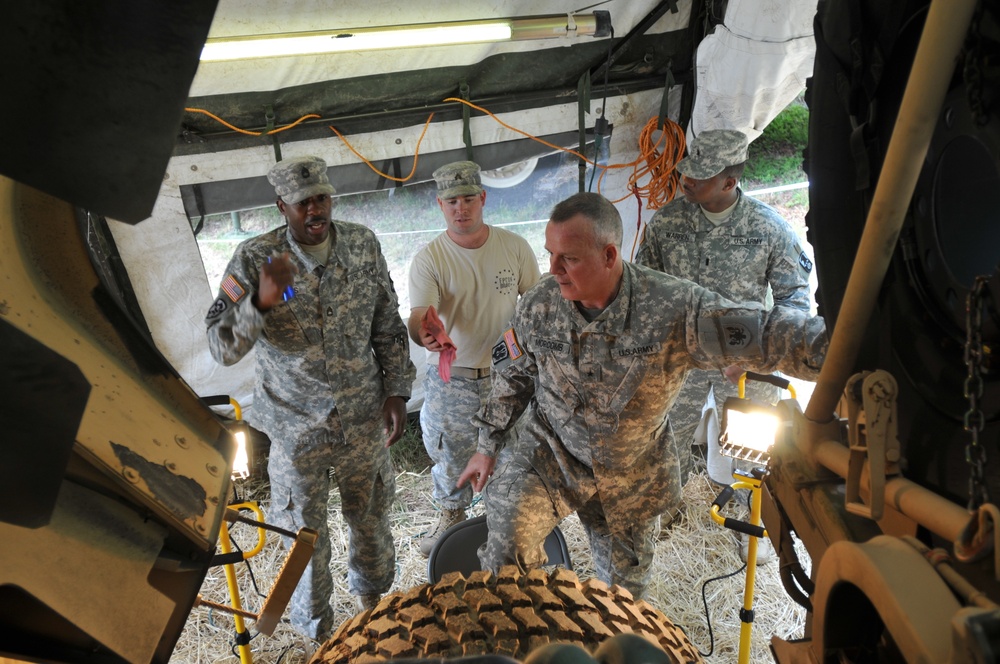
[(690, 553)]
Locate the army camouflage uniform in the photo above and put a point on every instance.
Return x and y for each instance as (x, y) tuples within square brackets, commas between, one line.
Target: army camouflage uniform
[(596, 439), (327, 360), (738, 258), (448, 434)]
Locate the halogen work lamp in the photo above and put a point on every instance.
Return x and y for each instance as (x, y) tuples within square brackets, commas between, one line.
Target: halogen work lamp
[(241, 435), (748, 426)]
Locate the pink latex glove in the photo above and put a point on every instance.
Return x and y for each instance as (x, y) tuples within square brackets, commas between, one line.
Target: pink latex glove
[(431, 323)]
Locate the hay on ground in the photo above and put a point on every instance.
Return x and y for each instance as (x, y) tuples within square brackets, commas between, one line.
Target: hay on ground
[(691, 552)]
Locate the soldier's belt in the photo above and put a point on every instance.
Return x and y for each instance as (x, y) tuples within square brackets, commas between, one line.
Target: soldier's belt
[(466, 372)]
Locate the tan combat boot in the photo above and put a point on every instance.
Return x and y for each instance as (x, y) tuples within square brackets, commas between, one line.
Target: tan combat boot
[(447, 519)]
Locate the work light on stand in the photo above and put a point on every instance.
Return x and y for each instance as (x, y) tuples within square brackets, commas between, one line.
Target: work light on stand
[(748, 432)]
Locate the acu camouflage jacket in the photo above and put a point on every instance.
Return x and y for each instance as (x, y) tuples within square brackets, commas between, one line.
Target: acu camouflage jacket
[(339, 342), (602, 389)]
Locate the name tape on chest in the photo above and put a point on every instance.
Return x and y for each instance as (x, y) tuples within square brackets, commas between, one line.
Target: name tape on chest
[(678, 237), (553, 345)]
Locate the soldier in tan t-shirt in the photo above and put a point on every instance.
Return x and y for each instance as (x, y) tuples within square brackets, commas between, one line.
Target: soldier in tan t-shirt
[(472, 274)]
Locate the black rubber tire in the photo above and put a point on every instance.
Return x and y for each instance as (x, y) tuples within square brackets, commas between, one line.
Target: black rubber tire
[(509, 614)]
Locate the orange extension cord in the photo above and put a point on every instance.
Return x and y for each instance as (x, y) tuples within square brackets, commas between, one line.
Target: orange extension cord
[(656, 161)]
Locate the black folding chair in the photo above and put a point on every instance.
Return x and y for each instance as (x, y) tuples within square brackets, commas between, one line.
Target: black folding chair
[(455, 550)]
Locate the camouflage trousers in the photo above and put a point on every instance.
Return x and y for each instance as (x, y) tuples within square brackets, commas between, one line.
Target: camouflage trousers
[(521, 511), (449, 436), (299, 472)]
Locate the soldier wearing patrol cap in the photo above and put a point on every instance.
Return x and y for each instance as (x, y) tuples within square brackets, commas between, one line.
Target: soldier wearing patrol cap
[(730, 243), (299, 178), (314, 300), (587, 370), (460, 178), (472, 274)]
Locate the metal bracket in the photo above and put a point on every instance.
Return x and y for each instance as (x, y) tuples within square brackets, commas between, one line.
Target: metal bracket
[(463, 90), (872, 438), (269, 118)]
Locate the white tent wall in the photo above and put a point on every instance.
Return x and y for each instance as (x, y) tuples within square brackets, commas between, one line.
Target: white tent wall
[(753, 65), (162, 256)]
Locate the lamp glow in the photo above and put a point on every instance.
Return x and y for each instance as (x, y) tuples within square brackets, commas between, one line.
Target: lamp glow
[(245, 47), (749, 429), (241, 462), (754, 430)]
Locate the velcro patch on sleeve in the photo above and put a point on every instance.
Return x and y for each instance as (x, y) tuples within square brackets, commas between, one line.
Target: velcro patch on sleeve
[(506, 350), (513, 347), (233, 289), (729, 336), (500, 353), (217, 309), (804, 262)]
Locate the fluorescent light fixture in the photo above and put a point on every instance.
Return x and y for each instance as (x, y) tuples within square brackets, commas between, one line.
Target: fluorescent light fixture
[(245, 47)]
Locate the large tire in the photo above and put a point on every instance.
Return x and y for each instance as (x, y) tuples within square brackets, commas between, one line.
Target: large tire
[(510, 614)]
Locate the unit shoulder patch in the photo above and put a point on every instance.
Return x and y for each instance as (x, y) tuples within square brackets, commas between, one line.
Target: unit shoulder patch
[(507, 349), (737, 335), (218, 308), (805, 263)]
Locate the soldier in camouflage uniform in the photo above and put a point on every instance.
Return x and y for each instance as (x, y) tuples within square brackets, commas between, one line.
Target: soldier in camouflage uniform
[(472, 274), (596, 353), (732, 244), (315, 300)]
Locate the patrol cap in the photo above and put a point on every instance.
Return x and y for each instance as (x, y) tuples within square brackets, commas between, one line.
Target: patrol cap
[(712, 152), (459, 178), (299, 178)]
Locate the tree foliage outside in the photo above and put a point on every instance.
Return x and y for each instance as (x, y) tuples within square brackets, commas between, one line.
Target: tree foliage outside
[(775, 157)]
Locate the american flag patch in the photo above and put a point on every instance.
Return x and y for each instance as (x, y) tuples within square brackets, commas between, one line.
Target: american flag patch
[(233, 288), (513, 348)]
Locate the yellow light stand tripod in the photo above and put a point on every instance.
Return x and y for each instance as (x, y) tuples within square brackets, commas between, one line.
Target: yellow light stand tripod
[(748, 431), (304, 542)]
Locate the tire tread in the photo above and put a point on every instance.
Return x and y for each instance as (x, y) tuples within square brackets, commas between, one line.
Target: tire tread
[(510, 613)]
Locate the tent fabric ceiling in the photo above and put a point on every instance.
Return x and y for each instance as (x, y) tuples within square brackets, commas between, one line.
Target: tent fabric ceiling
[(377, 90), (246, 17)]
